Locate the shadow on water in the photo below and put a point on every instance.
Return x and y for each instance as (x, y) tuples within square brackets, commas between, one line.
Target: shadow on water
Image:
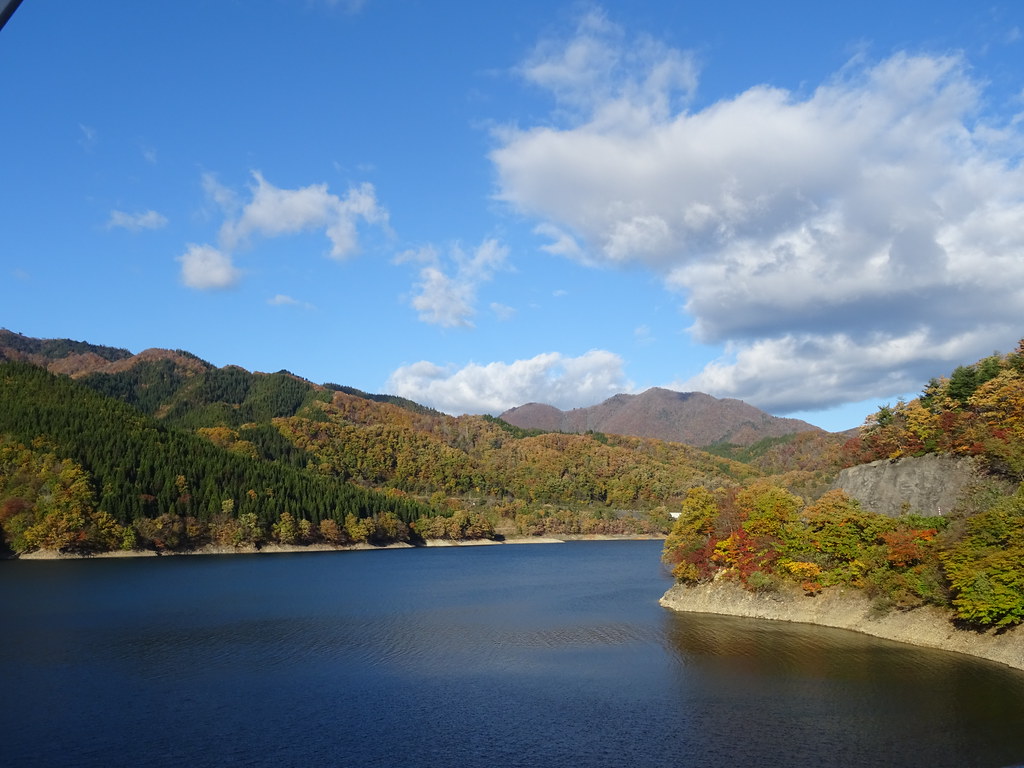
[(824, 696)]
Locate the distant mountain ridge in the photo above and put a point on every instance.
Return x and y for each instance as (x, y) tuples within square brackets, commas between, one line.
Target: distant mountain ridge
[(693, 418), (78, 358)]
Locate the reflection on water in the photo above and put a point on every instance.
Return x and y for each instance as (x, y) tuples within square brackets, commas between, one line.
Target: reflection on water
[(510, 656), (813, 691)]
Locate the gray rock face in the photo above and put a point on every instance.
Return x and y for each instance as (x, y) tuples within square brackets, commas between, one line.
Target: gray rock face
[(925, 485)]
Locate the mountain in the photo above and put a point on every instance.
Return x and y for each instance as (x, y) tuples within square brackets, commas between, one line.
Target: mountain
[(684, 417)]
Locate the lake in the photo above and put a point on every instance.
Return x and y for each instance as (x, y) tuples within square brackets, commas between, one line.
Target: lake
[(539, 655)]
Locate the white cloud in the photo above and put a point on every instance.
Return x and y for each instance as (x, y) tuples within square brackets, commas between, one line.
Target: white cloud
[(441, 300), (205, 268), (822, 227), (135, 222), (448, 298), (562, 243), (224, 197), (811, 372), (600, 73), (284, 300), (552, 378), (274, 212)]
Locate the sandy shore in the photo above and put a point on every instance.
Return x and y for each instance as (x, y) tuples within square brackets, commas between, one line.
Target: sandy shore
[(849, 609), (210, 549)]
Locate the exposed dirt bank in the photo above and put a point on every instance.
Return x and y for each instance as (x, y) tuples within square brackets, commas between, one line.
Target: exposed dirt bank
[(848, 609)]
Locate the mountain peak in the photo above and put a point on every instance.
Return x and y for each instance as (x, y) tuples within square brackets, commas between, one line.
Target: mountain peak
[(694, 418)]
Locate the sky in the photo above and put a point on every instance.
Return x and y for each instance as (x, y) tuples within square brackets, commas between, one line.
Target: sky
[(812, 207)]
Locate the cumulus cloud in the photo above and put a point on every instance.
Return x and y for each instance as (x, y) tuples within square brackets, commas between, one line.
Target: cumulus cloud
[(863, 230), (134, 222), (552, 378), (273, 212), (204, 268), (446, 290)]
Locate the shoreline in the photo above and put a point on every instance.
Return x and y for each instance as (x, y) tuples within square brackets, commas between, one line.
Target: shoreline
[(926, 627), (214, 549)]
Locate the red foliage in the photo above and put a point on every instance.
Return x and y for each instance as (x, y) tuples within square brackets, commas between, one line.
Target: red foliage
[(12, 507), (810, 588), (745, 554), (905, 545), (702, 559)]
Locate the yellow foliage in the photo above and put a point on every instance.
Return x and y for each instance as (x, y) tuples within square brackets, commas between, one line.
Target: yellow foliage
[(921, 422), (802, 570), (222, 437), (686, 572), (1000, 401)]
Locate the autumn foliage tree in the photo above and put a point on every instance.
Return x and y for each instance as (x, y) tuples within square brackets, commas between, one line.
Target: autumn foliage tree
[(977, 411)]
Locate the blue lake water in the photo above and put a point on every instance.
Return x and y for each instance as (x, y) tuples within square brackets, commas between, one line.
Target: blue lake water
[(545, 655)]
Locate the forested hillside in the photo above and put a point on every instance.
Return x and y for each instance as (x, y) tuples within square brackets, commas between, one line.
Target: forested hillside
[(83, 471), (166, 451), (970, 561)]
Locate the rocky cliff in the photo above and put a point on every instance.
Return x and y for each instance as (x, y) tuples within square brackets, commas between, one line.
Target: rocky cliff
[(925, 485)]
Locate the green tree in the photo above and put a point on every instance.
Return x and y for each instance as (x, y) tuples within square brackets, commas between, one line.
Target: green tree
[(986, 568), (962, 383)]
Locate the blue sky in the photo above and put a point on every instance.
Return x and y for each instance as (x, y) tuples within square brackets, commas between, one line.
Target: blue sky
[(809, 207)]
